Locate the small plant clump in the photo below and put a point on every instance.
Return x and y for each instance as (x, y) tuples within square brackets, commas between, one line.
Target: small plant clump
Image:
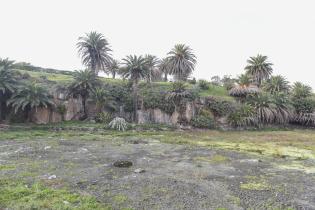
[(119, 124), (103, 117)]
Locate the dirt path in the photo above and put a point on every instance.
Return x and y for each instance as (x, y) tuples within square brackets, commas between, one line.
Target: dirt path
[(175, 177)]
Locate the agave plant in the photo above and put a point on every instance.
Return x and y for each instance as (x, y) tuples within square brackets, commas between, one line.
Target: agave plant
[(118, 123)]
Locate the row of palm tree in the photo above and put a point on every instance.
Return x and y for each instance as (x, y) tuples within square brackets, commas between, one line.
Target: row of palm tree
[(271, 97), (96, 55)]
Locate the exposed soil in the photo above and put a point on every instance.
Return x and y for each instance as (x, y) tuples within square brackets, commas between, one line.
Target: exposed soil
[(173, 176)]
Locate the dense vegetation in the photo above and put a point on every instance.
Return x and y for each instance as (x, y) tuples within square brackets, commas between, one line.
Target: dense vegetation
[(254, 99)]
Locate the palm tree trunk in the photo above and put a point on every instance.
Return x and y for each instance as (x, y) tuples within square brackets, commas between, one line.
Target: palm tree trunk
[(0, 111), (1, 97), (165, 77), (114, 75), (135, 99), (84, 107)]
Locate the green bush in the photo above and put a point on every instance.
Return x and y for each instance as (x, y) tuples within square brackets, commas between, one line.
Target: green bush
[(304, 105), (203, 84), (103, 117), (201, 121), (243, 115), (219, 107)]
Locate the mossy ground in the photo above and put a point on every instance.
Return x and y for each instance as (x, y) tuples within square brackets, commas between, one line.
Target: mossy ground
[(211, 167)]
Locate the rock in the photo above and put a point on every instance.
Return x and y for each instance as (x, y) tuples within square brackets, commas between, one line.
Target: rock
[(139, 170), (52, 177), (47, 147), (123, 164), (66, 202), (250, 161)]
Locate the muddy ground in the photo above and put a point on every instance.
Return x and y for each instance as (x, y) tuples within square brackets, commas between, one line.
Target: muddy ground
[(175, 176)]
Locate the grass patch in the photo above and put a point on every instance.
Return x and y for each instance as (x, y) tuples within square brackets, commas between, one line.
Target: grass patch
[(255, 183), (7, 167), (18, 195), (214, 159)]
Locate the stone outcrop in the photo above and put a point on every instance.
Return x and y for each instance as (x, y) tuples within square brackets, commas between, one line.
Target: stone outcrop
[(74, 111)]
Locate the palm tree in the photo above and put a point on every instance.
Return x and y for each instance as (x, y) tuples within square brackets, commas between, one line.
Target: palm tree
[(264, 106), (243, 88), (113, 68), (284, 108), (7, 86), (276, 84), (84, 82), (177, 94), (29, 97), (135, 69), (94, 51), (300, 90), (181, 61), (151, 62), (102, 98), (164, 67), (6, 63), (259, 68)]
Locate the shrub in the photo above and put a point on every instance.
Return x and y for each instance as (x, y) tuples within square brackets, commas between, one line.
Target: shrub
[(103, 117), (61, 109), (118, 124), (192, 81), (244, 115), (219, 107), (203, 84), (201, 121), (156, 99), (303, 105)]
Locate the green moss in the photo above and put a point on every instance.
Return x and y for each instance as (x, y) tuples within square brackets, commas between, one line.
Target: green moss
[(7, 167), (255, 183), (120, 199), (213, 159), (15, 194)]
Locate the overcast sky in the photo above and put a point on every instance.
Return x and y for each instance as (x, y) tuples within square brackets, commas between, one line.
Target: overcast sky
[(222, 33)]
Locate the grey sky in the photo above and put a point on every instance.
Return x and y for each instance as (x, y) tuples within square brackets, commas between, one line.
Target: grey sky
[(222, 33)]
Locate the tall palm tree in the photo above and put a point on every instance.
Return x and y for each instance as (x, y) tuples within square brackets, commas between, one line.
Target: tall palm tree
[(276, 84), (30, 96), (8, 83), (113, 68), (181, 61), (84, 82), (135, 69), (259, 68), (300, 90), (151, 62), (94, 51), (164, 68)]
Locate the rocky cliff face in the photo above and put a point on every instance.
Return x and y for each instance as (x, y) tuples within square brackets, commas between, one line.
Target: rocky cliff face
[(74, 110)]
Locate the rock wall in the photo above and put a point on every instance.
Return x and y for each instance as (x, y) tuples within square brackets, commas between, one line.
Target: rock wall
[(74, 111)]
